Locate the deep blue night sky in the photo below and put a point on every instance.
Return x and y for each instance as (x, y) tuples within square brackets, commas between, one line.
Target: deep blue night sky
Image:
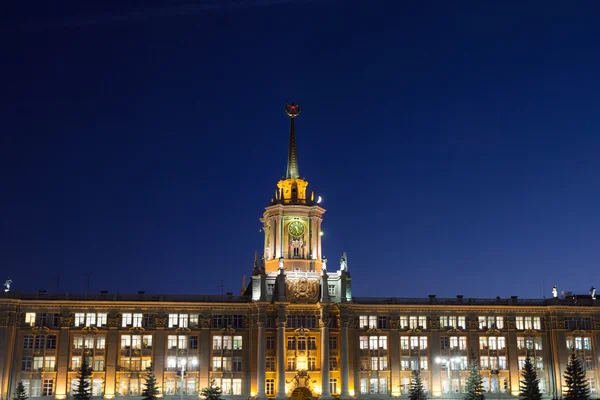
[(456, 144)]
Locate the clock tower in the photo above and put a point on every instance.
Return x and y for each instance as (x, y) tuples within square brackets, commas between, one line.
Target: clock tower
[(292, 221)]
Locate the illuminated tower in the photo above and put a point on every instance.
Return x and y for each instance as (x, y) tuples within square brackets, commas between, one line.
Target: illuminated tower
[(292, 222)]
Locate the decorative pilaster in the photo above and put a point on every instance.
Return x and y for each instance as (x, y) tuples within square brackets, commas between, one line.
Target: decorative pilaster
[(280, 360), (325, 392), (344, 367), (260, 365), (278, 230)]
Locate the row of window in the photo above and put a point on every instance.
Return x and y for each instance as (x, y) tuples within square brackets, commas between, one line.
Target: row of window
[(297, 321), (458, 322), (134, 320)]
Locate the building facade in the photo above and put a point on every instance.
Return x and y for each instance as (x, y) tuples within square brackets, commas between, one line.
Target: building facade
[(295, 331)]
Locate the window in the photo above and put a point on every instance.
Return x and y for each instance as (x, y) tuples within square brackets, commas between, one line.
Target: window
[(228, 321), (404, 343), (98, 363), (270, 288), (47, 388), (270, 343), (291, 364), (79, 319), (333, 386), (100, 342), (97, 387), (291, 343), (36, 387), (312, 343), (444, 343), (423, 363), (237, 343), (78, 342), (367, 321), (579, 343), (332, 342), (26, 364), (39, 342), (312, 364), (126, 320), (270, 363), (30, 318), (136, 320), (49, 363), (75, 362), (573, 323), (51, 342), (28, 342), (364, 342), (331, 290), (172, 342), (491, 322), (193, 342), (333, 364), (270, 387), (524, 323)]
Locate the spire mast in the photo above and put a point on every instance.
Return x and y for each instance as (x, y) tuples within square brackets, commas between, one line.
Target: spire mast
[(292, 110)]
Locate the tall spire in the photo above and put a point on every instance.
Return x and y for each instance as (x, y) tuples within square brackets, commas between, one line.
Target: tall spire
[(292, 165)]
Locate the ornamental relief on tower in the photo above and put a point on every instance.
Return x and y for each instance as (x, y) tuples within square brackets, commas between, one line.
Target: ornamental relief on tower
[(302, 290)]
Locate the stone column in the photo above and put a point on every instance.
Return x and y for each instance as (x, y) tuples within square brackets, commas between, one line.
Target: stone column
[(205, 349), (62, 359), (319, 255), (280, 360), (344, 367), (260, 367), (278, 236), (325, 393), (112, 351)]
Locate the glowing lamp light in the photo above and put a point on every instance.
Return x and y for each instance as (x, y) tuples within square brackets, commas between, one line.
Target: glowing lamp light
[(252, 394), (351, 392), (437, 394), (321, 233)]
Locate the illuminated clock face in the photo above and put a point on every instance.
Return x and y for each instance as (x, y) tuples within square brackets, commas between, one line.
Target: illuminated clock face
[(296, 228)]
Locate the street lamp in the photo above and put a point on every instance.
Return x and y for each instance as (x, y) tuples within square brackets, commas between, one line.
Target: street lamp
[(448, 361), (183, 361)]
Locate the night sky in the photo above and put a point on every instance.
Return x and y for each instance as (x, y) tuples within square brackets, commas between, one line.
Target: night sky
[(455, 143)]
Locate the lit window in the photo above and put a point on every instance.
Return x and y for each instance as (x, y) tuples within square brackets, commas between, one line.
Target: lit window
[(126, 320), (30, 318), (79, 319)]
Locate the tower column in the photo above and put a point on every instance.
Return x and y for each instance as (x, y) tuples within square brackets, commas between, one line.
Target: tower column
[(281, 360), (271, 238), (277, 222), (344, 367), (325, 392), (318, 235), (260, 367)]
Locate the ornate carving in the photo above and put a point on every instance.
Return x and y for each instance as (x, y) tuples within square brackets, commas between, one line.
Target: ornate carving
[(530, 331), (89, 330), (435, 324), (205, 322), (113, 322), (229, 330), (40, 330), (394, 323), (560, 324), (301, 332), (66, 322), (493, 331), (510, 324), (183, 331), (136, 330), (302, 290), (596, 325), (160, 322), (579, 332), (5, 320), (473, 324), (324, 323), (373, 331)]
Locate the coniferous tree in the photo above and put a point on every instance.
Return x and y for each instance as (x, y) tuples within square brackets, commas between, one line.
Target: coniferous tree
[(576, 385), (474, 384), (151, 390), (530, 389), (84, 390), (416, 391), (20, 393), (212, 392)]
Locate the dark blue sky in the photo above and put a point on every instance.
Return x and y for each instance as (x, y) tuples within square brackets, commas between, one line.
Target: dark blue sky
[(456, 144)]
